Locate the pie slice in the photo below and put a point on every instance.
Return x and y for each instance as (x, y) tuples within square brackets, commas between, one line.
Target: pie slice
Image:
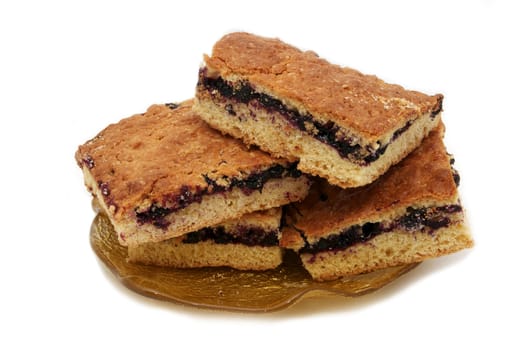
[(338, 123), (165, 173), (410, 214)]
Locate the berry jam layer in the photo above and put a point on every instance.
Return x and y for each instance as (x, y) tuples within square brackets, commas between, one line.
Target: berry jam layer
[(156, 213), (348, 146), (415, 220), (246, 235)]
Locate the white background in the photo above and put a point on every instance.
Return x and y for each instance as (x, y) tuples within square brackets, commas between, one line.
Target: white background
[(67, 69)]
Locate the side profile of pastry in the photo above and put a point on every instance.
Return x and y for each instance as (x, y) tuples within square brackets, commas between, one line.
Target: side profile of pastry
[(165, 173), (410, 214), (338, 123), (247, 243)]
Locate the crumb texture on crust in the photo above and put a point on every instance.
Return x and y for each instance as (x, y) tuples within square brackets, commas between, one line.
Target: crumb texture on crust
[(423, 178), (150, 157), (359, 102), (387, 250), (172, 253)]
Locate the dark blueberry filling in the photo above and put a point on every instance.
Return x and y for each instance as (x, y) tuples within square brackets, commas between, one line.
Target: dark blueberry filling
[(450, 209), (172, 105), (250, 236), (89, 162), (400, 131), (351, 236), (230, 109), (437, 109), (253, 182), (324, 132), (434, 218), (156, 213), (457, 178), (455, 173), (422, 219), (105, 189)]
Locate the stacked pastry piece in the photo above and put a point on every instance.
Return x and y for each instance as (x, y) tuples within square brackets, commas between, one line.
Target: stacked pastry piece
[(352, 131), (180, 193), (409, 214)]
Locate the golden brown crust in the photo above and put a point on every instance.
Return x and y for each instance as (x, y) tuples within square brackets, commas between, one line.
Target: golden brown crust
[(145, 158), (359, 102), (423, 178)]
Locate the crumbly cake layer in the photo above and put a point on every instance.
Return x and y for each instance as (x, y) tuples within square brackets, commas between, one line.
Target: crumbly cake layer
[(164, 173), (277, 136), (209, 211), (337, 231), (391, 249), (266, 220), (248, 243), (340, 124)]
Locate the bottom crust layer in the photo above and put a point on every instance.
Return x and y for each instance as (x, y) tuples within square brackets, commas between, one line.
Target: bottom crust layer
[(172, 253)]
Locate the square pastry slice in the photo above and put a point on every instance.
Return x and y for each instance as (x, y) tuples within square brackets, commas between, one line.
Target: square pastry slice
[(339, 123), (247, 243), (165, 173), (410, 214)]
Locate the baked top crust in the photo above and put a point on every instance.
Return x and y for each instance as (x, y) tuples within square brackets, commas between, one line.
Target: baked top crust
[(423, 178), (362, 103), (149, 157)]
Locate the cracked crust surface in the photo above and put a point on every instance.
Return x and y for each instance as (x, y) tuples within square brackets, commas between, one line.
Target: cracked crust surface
[(158, 160), (144, 158), (298, 106), (361, 103)]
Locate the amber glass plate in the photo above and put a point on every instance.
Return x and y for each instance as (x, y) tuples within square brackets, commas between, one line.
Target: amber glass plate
[(225, 288)]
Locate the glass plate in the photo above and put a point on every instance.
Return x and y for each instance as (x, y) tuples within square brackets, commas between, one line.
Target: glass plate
[(226, 288)]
